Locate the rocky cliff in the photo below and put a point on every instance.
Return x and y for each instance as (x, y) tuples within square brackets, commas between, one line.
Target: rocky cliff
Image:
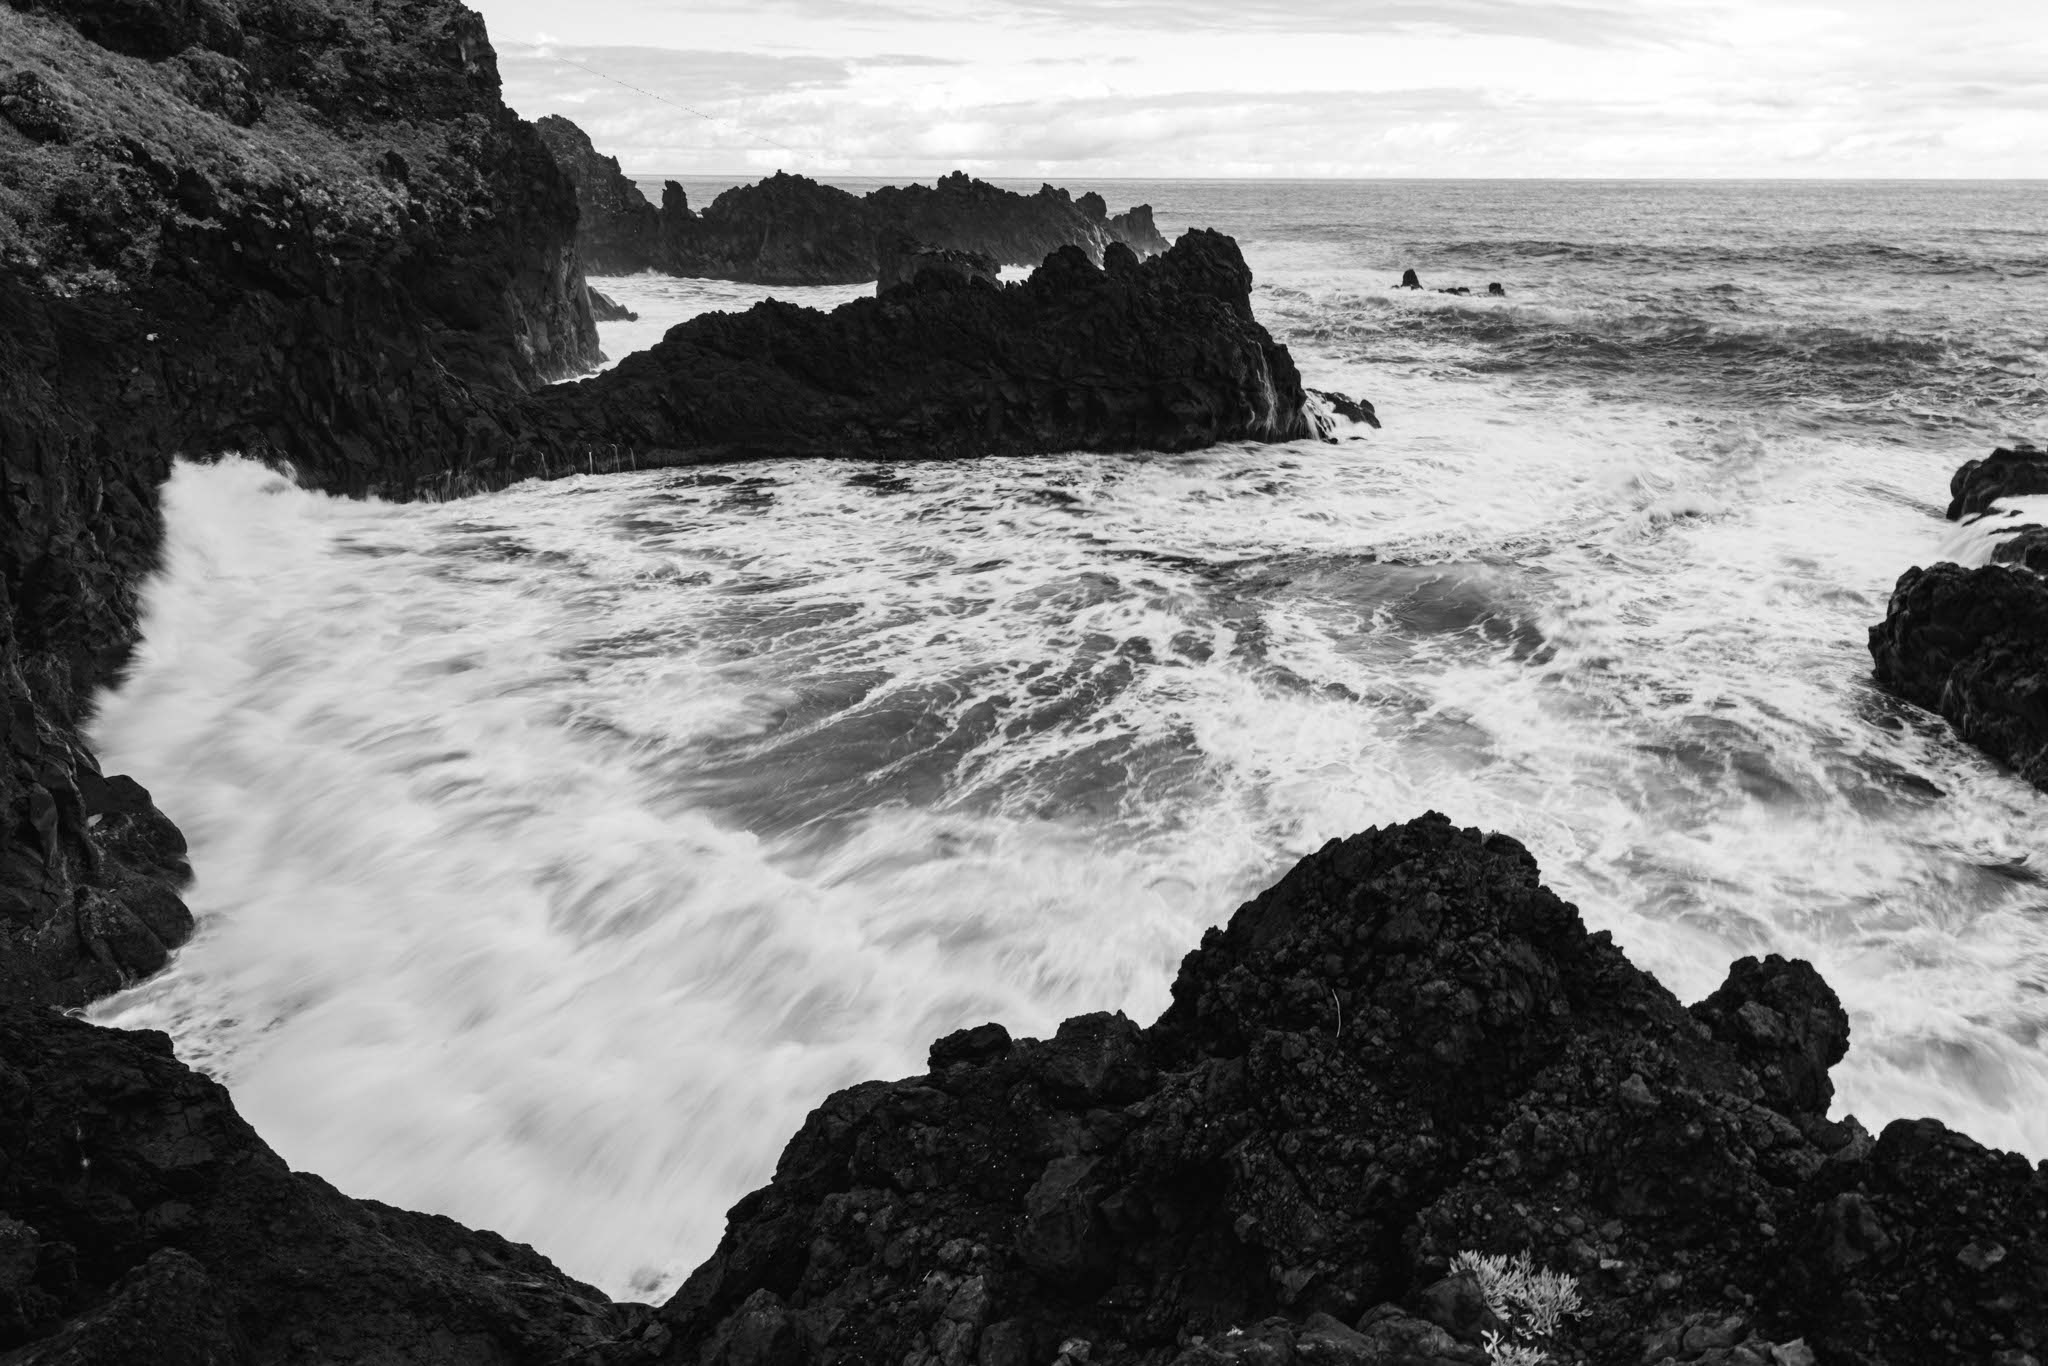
[(789, 229), (1972, 643), (308, 231)]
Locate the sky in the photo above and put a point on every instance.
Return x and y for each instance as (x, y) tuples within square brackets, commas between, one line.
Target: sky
[(1308, 88)]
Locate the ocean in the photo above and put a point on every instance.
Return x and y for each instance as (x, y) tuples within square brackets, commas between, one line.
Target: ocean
[(558, 849)]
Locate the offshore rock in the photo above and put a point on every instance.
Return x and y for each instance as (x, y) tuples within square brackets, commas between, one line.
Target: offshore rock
[(1972, 645), (1405, 1049), (791, 230), (606, 309), (617, 231), (902, 258), (1158, 355), (2003, 474), (144, 1221), (362, 253)]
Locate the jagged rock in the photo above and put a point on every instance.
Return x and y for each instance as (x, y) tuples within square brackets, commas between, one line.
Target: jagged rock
[(900, 259), (1410, 280), (2027, 547), (1972, 645), (148, 1223), (1407, 1047), (1159, 355), (606, 309), (789, 229), (172, 282), (2005, 473), (617, 231), (1330, 407), (1496, 291)]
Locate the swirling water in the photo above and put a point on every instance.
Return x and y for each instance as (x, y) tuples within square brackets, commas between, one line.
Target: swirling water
[(558, 849)]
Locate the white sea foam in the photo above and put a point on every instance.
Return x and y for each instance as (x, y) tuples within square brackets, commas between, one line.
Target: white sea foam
[(558, 849)]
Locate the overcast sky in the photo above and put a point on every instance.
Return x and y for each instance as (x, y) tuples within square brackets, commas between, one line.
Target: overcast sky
[(1080, 88)]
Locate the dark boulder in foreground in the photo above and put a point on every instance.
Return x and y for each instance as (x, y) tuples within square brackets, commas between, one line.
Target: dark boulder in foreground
[(1405, 1050), (142, 1220), (1972, 643), (1157, 355)]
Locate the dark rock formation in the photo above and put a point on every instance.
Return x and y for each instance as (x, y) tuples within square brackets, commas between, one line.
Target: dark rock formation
[(2003, 474), (901, 258), (790, 230), (1330, 407), (1972, 644), (1406, 1049), (1410, 280), (1159, 355), (1496, 291), (606, 309), (617, 231), (144, 1221), (362, 251)]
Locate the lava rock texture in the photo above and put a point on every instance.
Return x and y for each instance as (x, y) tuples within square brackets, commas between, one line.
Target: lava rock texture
[(143, 1221), (1406, 1049), (1972, 643), (790, 230), (305, 230), (1157, 355)]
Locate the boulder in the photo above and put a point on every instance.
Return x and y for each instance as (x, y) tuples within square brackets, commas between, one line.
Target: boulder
[(2005, 473), (1410, 280), (1406, 1049)]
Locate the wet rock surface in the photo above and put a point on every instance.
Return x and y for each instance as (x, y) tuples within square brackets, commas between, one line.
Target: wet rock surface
[(1972, 643), (303, 231), (1406, 1049), (141, 1220), (901, 258), (1155, 355)]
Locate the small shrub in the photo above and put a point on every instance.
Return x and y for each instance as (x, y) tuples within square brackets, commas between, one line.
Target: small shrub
[(1532, 1304)]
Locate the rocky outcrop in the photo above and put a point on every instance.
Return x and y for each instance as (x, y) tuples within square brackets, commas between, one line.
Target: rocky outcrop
[(791, 230), (2004, 473), (1972, 643), (307, 231), (1159, 355), (141, 1220), (901, 258), (617, 231), (1405, 1050), (605, 309)]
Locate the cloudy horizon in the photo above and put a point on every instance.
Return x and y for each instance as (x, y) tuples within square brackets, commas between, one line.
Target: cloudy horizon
[(1146, 88)]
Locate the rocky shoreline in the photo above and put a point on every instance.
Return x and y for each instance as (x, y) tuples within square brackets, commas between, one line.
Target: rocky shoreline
[(789, 229), (278, 228)]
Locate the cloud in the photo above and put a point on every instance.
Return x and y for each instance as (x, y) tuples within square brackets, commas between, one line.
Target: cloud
[(1555, 20)]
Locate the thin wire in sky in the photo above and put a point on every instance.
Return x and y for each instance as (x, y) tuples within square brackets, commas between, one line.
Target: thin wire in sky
[(708, 118)]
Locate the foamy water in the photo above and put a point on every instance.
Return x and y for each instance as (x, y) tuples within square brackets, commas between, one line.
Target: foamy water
[(557, 850)]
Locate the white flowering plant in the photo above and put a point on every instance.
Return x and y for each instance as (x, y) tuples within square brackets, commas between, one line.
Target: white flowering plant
[(1532, 1305)]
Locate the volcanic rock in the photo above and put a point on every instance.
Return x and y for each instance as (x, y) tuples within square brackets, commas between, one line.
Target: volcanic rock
[(1405, 1049), (1410, 280), (901, 259), (617, 231), (384, 254), (1972, 645), (2003, 474), (146, 1222), (606, 309), (1159, 355)]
